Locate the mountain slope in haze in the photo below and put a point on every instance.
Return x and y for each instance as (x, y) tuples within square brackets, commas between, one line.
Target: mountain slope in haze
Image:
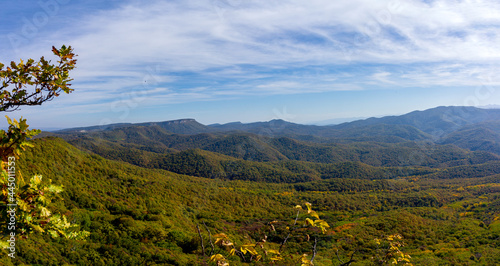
[(375, 132), (437, 121), (442, 125), (258, 148), (418, 125), (482, 136), (180, 126), (276, 127)]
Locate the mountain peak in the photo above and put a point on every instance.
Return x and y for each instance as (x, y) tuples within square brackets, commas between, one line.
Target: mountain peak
[(181, 121), (436, 121), (183, 126), (278, 121)]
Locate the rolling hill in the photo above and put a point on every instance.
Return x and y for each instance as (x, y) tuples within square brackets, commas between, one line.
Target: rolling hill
[(160, 193), (141, 216), (483, 136)]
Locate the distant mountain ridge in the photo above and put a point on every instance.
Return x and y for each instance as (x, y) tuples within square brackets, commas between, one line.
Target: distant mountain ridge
[(433, 121), (466, 127), (436, 121), (179, 126)]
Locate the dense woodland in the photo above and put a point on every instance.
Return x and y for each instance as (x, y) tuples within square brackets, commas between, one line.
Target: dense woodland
[(170, 193), (138, 215)]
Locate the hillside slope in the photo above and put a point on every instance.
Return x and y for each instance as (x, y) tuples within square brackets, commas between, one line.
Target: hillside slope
[(482, 136), (139, 216), (136, 216), (437, 122)]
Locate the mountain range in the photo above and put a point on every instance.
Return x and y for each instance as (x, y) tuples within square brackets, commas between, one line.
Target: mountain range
[(281, 151), (466, 127)]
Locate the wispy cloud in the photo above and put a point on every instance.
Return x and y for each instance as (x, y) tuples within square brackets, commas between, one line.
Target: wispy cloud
[(203, 50)]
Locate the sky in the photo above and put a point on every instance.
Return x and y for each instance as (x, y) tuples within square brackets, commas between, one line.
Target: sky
[(220, 61)]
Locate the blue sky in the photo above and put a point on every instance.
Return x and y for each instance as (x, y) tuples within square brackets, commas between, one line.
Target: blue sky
[(220, 61)]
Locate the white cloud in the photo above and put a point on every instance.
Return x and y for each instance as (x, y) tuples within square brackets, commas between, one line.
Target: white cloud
[(382, 77), (248, 47)]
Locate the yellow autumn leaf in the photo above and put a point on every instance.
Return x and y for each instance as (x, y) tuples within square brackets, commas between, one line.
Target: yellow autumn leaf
[(243, 250), (274, 251), (309, 221), (221, 235), (217, 257), (314, 214)]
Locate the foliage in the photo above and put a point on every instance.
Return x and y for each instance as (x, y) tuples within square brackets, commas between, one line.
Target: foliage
[(249, 253), (15, 139), (444, 162), (148, 216), (26, 205), (390, 251), (45, 80)]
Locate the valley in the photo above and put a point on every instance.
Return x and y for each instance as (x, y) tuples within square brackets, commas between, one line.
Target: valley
[(161, 193)]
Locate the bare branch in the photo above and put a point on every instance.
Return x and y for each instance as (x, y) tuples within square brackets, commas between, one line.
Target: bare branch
[(210, 239), (288, 236), (314, 248), (351, 260), (201, 239)]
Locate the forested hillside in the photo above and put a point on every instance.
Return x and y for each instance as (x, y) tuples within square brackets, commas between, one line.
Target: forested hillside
[(146, 216), (382, 151), (181, 193), (441, 125)]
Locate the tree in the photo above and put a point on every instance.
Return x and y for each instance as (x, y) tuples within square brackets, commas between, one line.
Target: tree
[(25, 205), (389, 251), (273, 253), (33, 83)]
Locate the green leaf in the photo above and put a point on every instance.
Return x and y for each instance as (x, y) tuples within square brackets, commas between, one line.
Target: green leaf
[(4, 244), (53, 233), (55, 189), (36, 180)]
